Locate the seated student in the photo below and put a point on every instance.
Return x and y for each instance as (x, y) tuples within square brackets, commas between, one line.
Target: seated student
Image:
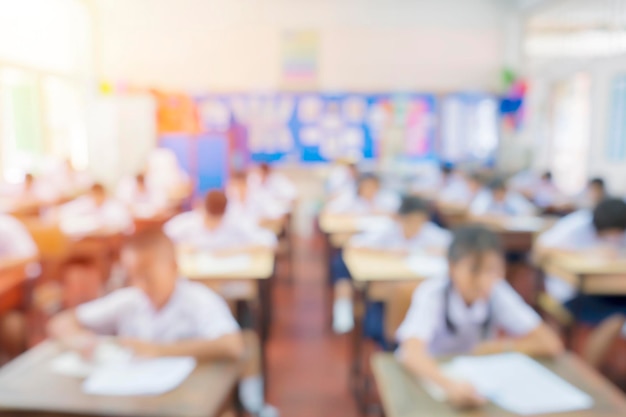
[(15, 243), (412, 231), (545, 193), (98, 210), (142, 200), (435, 181), (368, 198), (163, 314), (593, 194), (163, 173), (461, 191), (66, 180), (211, 229), (497, 200), (462, 314), (342, 178), (252, 203), (274, 184), (601, 233), (33, 190)]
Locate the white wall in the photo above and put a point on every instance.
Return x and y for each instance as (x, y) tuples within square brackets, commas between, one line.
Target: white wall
[(434, 45)]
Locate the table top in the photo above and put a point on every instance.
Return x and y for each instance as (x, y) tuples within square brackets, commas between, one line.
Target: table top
[(601, 276), (28, 385), (515, 224), (261, 267), (368, 266), (12, 272), (402, 395)]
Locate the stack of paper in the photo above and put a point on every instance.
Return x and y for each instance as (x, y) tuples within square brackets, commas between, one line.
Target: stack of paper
[(516, 383), (145, 377), (526, 224), (427, 266), (106, 353)]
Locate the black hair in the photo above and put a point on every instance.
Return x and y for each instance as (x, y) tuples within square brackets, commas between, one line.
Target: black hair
[(610, 214), (367, 177), (497, 183), (412, 204), (597, 181), (473, 240), (547, 176), (447, 168), (476, 241)]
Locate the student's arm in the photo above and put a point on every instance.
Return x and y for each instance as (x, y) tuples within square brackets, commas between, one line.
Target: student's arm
[(67, 330), (526, 332), (540, 342), (229, 347), (416, 359)]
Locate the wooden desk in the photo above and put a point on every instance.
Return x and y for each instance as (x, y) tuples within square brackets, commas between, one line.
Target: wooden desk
[(28, 386), (517, 233), (590, 275), (402, 395), (12, 279)]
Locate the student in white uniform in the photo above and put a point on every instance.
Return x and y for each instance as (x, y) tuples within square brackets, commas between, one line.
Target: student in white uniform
[(15, 244), (66, 180), (211, 229), (462, 314), (162, 314), (367, 199), (252, 203), (497, 200), (142, 200), (412, 231), (461, 192), (545, 193), (96, 210), (601, 234), (593, 194), (274, 184), (342, 178)]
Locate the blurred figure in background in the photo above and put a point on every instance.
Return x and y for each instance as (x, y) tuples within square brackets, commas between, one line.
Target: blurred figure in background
[(252, 203), (95, 211), (368, 198), (342, 177), (274, 184), (593, 194), (164, 174), (212, 229), (463, 191), (141, 199), (68, 181), (497, 199)]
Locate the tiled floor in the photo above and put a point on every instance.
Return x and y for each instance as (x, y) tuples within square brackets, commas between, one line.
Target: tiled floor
[(308, 365)]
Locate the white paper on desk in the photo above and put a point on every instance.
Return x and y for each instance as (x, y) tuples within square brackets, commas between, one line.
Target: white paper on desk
[(141, 377), (73, 364), (373, 223), (209, 264), (80, 225), (525, 224), (516, 383), (427, 266)]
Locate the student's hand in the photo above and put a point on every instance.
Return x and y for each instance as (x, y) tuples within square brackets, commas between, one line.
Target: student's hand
[(84, 344), (142, 348), (463, 395)]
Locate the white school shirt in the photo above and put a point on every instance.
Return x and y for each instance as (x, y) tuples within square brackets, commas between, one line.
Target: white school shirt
[(15, 241), (192, 312), (148, 202), (277, 185), (429, 236), (352, 203), (425, 319), (111, 215), (546, 194), (340, 180), (188, 228), (514, 204), (573, 232), (255, 206), (456, 191)]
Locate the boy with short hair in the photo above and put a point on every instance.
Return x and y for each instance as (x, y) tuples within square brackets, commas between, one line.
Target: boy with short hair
[(461, 315), (161, 314), (498, 200)]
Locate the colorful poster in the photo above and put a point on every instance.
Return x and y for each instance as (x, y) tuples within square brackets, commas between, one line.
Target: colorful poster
[(299, 60), (176, 113)]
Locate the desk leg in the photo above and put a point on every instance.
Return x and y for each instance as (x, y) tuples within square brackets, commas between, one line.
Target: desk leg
[(357, 375)]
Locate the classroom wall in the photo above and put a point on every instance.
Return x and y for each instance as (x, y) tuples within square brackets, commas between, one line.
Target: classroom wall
[(363, 44), (543, 75)]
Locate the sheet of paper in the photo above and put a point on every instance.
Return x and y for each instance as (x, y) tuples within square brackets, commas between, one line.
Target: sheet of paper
[(517, 383), (212, 265), (142, 377), (106, 353), (427, 266), (80, 225), (526, 224), (373, 223)]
